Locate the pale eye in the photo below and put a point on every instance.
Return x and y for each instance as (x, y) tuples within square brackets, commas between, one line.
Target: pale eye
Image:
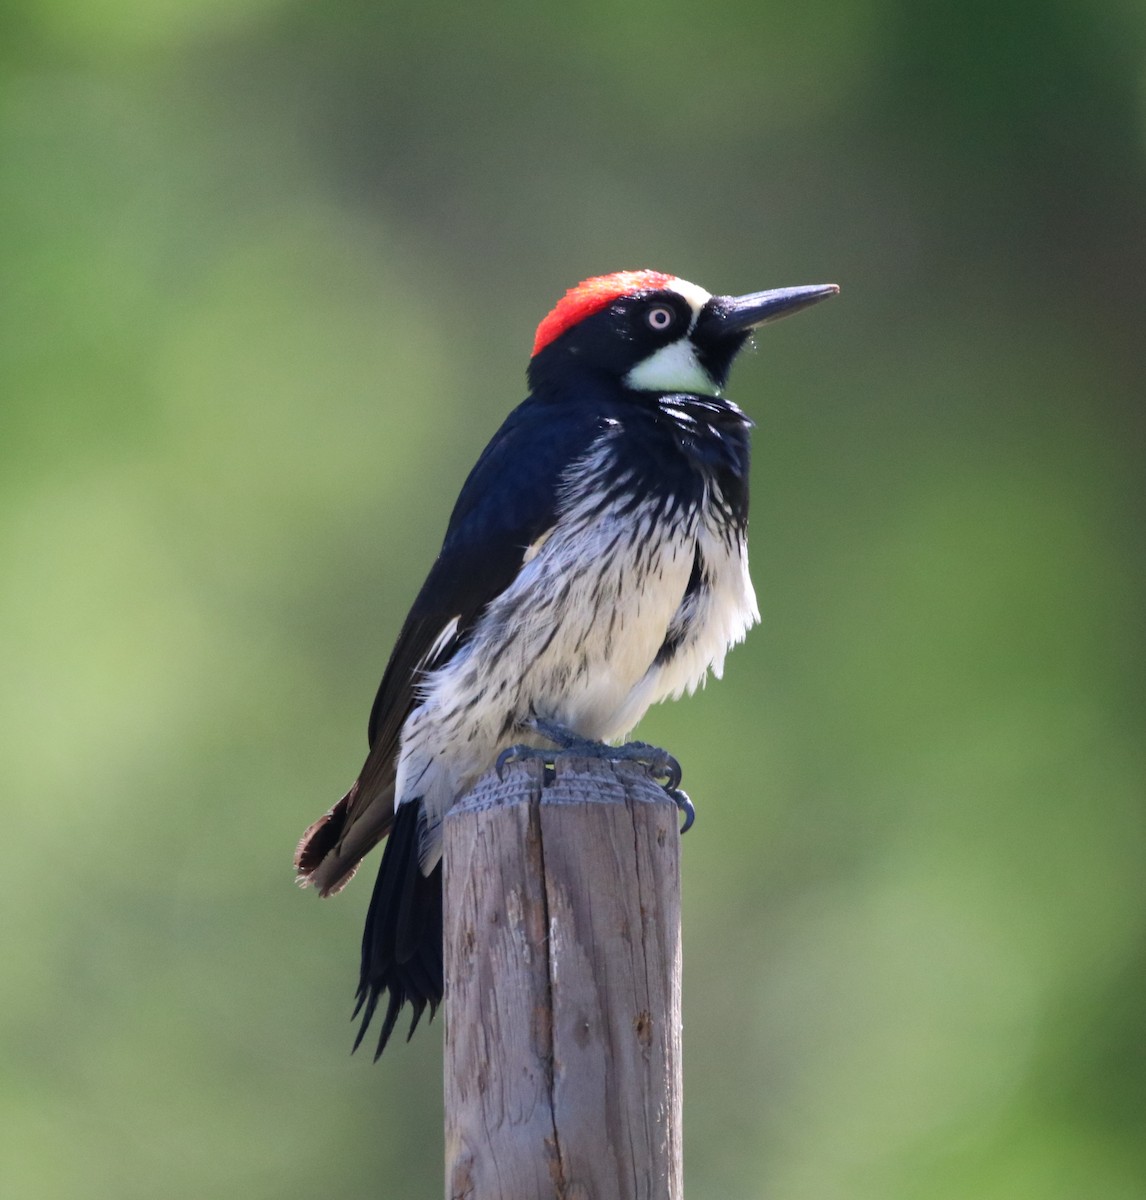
[(660, 318)]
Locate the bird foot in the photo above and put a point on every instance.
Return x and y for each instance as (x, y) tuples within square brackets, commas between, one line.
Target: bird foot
[(660, 765), (680, 798)]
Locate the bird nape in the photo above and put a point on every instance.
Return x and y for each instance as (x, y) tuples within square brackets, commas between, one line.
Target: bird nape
[(595, 563)]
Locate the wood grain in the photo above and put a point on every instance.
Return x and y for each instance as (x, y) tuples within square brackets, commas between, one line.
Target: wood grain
[(562, 952)]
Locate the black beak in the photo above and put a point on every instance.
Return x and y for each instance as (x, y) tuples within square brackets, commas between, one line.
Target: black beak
[(726, 322), (741, 314)]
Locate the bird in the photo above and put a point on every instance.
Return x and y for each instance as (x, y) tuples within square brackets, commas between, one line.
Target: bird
[(595, 563)]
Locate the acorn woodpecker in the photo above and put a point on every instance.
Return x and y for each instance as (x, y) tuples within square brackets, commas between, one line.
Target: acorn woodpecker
[(595, 563)]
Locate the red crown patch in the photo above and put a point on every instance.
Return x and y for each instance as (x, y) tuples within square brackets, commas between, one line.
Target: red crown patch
[(590, 296)]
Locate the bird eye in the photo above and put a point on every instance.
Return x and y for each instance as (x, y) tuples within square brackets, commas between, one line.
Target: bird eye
[(660, 318)]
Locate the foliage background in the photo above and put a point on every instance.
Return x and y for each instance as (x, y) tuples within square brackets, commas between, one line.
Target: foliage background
[(269, 276)]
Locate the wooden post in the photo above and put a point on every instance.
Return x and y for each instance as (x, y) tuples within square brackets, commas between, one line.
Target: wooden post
[(562, 962)]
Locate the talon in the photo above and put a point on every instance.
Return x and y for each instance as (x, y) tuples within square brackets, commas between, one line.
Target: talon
[(660, 763), (505, 757), (681, 800), (523, 753), (672, 775)]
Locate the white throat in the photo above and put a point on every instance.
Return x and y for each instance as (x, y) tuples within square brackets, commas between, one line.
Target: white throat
[(672, 368)]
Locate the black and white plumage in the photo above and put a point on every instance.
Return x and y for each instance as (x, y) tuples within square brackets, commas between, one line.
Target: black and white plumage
[(595, 563)]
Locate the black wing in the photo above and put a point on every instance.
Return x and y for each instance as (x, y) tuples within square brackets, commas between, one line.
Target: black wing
[(508, 501)]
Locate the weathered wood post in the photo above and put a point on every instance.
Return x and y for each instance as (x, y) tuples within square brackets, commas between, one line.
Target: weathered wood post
[(562, 953)]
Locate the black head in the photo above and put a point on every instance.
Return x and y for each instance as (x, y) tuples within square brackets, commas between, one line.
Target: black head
[(652, 332)]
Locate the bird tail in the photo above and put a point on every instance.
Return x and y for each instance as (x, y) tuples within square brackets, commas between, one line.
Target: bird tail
[(402, 942), (333, 846)]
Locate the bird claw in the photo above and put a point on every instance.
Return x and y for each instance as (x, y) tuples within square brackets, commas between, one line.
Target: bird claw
[(660, 764), (680, 798), (518, 754)]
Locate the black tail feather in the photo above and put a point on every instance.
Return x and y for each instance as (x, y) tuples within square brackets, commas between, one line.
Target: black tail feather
[(402, 942)]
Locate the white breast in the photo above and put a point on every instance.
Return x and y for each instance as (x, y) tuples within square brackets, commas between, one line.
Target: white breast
[(724, 611), (575, 637)]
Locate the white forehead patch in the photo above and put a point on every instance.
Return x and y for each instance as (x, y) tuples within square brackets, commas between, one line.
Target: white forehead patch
[(696, 296)]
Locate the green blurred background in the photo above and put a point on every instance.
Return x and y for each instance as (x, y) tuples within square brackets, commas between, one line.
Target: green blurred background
[(269, 273)]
